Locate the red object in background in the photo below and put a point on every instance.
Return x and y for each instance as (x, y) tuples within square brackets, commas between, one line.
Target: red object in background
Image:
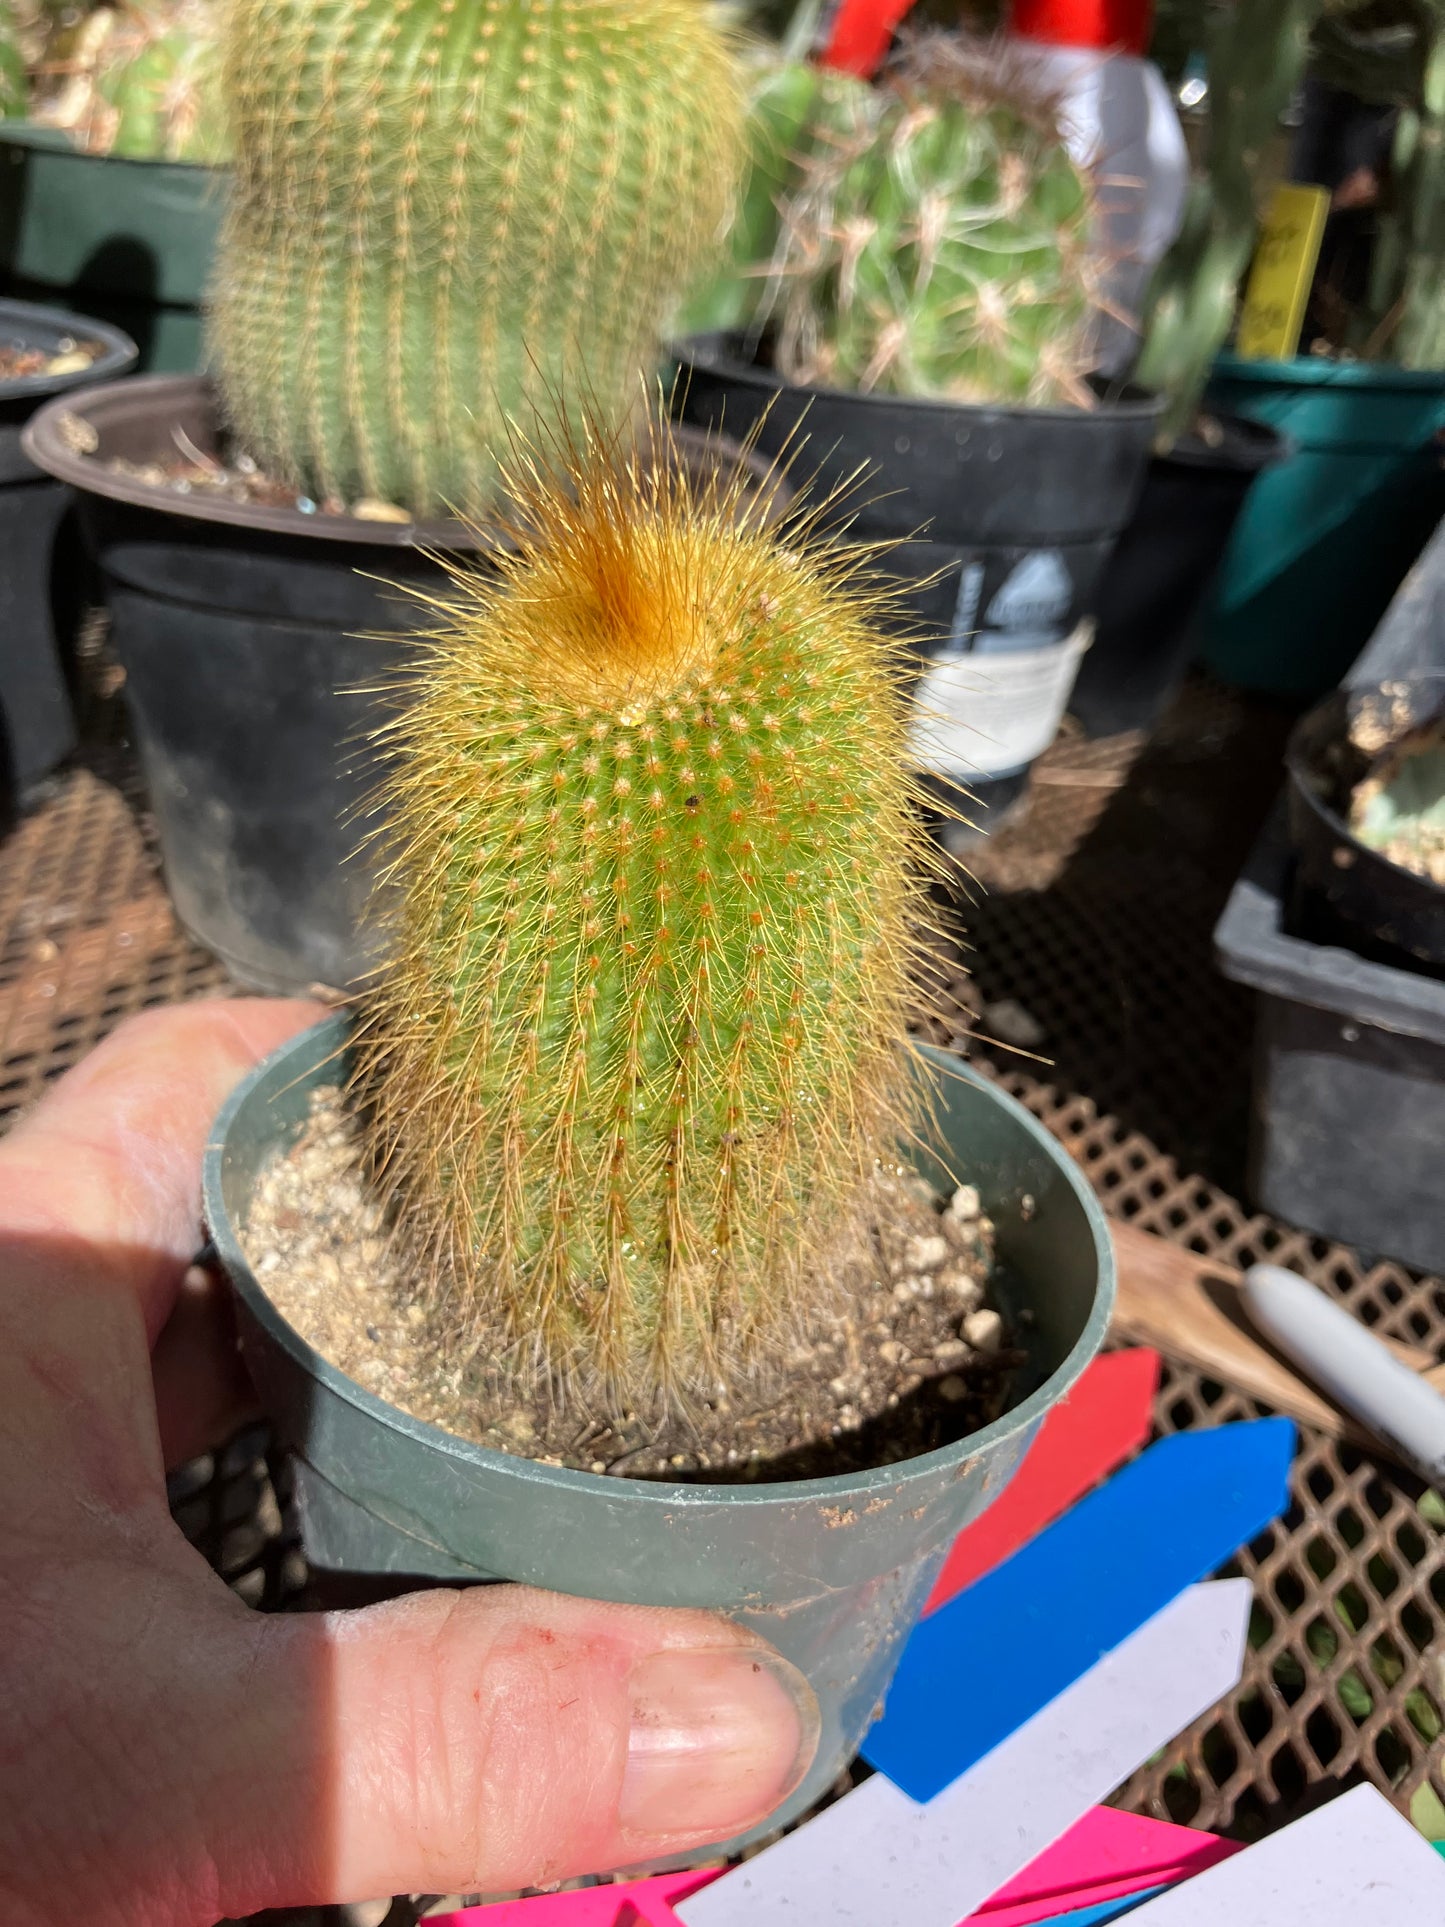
[(1102, 1422), (862, 33), (1113, 26)]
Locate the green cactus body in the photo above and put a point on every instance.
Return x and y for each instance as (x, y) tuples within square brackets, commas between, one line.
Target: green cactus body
[(791, 106), (1257, 57), (167, 100), (452, 215), (144, 82), (14, 81), (641, 1039), (939, 246)]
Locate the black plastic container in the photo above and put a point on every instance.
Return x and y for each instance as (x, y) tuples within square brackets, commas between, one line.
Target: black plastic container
[(1374, 899), (1004, 519), (1157, 577), (261, 653), (1348, 1125), (40, 559), (250, 693)]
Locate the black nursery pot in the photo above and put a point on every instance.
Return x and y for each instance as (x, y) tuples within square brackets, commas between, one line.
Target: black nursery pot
[(1156, 578), (40, 599), (262, 649), (1376, 907), (1004, 519), (249, 686)]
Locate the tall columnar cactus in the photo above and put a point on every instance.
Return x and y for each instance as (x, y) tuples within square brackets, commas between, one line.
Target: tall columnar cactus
[(643, 1036), (1257, 56), (452, 215), (1406, 319), (1421, 340), (143, 81), (938, 245)]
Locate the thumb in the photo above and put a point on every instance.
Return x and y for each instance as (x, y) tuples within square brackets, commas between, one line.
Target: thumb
[(501, 1738)]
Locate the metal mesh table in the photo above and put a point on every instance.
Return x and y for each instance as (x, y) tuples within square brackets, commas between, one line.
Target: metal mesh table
[(1093, 918)]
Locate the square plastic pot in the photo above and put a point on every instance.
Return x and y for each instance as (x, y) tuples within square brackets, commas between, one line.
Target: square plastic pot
[(1348, 1114)]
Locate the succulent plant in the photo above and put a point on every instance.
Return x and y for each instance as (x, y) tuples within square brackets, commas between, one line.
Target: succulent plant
[(642, 1037), (791, 106), (14, 80), (1256, 60), (1400, 808), (142, 81), (939, 244), (448, 219)]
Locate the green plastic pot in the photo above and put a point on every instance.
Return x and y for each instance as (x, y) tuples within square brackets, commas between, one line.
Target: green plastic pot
[(1326, 537), (832, 1571), (129, 241)]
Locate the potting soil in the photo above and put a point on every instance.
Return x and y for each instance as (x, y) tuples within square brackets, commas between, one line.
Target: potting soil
[(911, 1357)]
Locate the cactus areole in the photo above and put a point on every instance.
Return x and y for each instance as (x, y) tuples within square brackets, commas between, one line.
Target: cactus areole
[(642, 1043), (451, 214)]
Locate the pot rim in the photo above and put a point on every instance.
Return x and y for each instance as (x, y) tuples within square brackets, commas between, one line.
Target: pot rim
[(1322, 371), (120, 353), (660, 1493), (41, 139), (1250, 445), (1118, 400), (153, 394), (1302, 766)]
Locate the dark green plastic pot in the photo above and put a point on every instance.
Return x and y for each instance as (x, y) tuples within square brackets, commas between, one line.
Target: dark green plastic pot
[(832, 1571), (129, 241), (1328, 535)]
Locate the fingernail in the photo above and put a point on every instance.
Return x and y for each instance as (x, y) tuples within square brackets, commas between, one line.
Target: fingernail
[(719, 1738)]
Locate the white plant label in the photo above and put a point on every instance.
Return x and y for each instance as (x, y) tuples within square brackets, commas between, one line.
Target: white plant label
[(992, 712), (1033, 602)]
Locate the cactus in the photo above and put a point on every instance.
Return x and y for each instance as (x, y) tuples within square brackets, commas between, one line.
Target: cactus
[(1400, 808), (143, 81), (1405, 320), (14, 81), (452, 215), (1421, 172), (940, 245), (1256, 58), (641, 1038), (791, 107)]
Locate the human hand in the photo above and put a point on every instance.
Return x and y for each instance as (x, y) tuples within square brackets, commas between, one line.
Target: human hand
[(168, 1756)]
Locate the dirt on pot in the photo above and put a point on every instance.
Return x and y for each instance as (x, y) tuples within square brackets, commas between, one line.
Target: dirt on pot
[(1399, 807), (188, 469), (66, 357), (914, 1357)]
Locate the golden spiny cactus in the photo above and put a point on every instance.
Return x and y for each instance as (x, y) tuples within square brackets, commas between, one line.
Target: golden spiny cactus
[(645, 1034)]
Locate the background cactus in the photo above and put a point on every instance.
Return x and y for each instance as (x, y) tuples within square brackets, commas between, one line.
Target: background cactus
[(939, 245), (1395, 57), (791, 106), (1256, 58), (640, 1042), (14, 81), (141, 81), (451, 213)]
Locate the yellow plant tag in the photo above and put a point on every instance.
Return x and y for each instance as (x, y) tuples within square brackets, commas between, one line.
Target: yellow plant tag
[(1284, 266)]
